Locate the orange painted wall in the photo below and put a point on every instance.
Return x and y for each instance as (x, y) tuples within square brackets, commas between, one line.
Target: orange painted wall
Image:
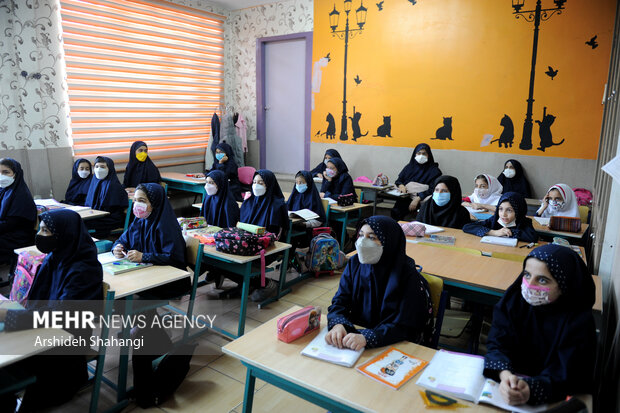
[(469, 60)]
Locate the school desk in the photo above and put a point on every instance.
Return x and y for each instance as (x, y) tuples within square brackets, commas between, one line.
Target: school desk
[(242, 265), (375, 189), (332, 387), (19, 345), (84, 212), (548, 232), (341, 214), (176, 180)]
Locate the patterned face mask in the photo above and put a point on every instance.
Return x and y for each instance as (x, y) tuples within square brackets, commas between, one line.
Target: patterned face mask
[(534, 295)]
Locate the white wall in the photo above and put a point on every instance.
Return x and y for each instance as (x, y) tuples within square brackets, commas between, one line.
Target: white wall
[(542, 172)]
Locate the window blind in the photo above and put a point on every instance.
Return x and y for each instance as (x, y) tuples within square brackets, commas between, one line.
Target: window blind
[(142, 70)]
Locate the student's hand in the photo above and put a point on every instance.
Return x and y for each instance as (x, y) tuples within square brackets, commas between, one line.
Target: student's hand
[(475, 205), (224, 159), (414, 203), (502, 232), (199, 175), (402, 189), (322, 194), (134, 256), (327, 178), (354, 341), (514, 391), (467, 204), (130, 190), (320, 175), (335, 335), (118, 251), (3, 314)]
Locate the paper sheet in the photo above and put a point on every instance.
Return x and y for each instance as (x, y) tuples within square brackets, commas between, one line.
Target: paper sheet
[(542, 221)]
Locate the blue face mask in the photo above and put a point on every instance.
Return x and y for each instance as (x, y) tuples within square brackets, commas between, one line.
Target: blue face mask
[(301, 188), (441, 198), (219, 156)]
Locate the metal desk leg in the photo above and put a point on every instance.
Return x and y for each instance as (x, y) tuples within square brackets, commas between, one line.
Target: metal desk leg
[(343, 237), (121, 392), (245, 292), (248, 395)]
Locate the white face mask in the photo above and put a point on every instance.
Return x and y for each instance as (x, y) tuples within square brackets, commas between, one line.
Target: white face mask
[(481, 192), (325, 161), (6, 181), (556, 205), (508, 225), (509, 173), (421, 159), (211, 189), (368, 251), (101, 173), (84, 174), (259, 190)]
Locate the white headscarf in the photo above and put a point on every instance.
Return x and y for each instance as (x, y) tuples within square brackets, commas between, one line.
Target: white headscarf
[(570, 208), (494, 192)]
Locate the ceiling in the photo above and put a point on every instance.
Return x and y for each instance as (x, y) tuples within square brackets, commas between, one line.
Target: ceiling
[(240, 4)]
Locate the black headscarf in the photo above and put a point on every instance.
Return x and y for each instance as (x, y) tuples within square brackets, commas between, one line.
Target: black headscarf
[(421, 173), (140, 172), (453, 214), (390, 298), (310, 199), (107, 193), (230, 169), (269, 209), (554, 344), (78, 186), (517, 183), (16, 199), (341, 184), (320, 168), (220, 209)]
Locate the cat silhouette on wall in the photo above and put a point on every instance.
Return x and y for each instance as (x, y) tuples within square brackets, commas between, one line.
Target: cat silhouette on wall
[(544, 131), (330, 133), (508, 134), (385, 129), (355, 125), (445, 132)]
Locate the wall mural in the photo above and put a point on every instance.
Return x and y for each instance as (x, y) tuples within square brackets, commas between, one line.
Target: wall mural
[(516, 77)]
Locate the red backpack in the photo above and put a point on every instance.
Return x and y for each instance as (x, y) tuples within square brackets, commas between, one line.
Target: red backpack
[(584, 197), (28, 264)]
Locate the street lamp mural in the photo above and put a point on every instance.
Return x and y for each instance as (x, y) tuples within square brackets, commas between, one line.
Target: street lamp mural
[(414, 74)]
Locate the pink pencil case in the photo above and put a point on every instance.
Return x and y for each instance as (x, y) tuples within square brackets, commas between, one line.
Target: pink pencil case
[(299, 323)]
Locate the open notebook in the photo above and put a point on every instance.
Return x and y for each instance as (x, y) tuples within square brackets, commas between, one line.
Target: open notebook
[(306, 214), (460, 375), (319, 349)]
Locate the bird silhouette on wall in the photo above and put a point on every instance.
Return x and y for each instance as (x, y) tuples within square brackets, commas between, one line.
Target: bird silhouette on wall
[(551, 73), (329, 59), (357, 80), (413, 2), (318, 133), (380, 6), (592, 42)]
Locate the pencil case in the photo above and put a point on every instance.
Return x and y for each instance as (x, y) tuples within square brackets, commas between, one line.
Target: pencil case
[(299, 323), (192, 223), (413, 229), (569, 224), (254, 229)]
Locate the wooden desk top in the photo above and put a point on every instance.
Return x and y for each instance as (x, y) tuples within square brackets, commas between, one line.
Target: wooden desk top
[(179, 177), (533, 201), (542, 229), (242, 259), (133, 282), (19, 345), (85, 214), (261, 348), (366, 185), (355, 206)]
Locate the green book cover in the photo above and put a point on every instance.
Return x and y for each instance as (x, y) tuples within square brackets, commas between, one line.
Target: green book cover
[(123, 266)]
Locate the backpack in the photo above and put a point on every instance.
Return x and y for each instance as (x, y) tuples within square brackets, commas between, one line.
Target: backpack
[(28, 264), (324, 254), (154, 384), (240, 242), (584, 197)]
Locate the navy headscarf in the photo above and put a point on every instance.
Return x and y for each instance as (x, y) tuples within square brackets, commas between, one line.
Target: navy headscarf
[(16, 199), (310, 199), (320, 168), (140, 172), (554, 344), (78, 187), (341, 184), (390, 298), (524, 230), (228, 150), (421, 173), (220, 209), (230, 168), (106, 194), (266, 210), (71, 271), (159, 233), (517, 183), (453, 214)]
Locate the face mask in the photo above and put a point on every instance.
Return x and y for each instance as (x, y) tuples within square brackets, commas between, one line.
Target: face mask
[(368, 251), (140, 210), (142, 156), (6, 181), (509, 173), (301, 188), (219, 156), (83, 174), (259, 190), (534, 295), (481, 192), (101, 173), (508, 225), (441, 198), (211, 189), (556, 205), (421, 159), (325, 161), (45, 244), (330, 173)]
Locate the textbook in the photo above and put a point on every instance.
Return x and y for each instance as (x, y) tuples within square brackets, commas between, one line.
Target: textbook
[(306, 214), (123, 266), (331, 201), (460, 375), (319, 349), (542, 221), (505, 241), (392, 367)]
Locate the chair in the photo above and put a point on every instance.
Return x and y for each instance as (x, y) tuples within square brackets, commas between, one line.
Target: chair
[(246, 174), (193, 256), (584, 214), (128, 212), (440, 299)]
